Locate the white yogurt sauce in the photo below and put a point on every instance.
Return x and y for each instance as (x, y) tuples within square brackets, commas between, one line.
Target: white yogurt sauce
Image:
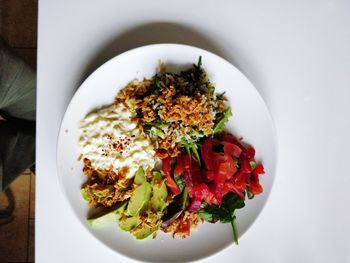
[(110, 140)]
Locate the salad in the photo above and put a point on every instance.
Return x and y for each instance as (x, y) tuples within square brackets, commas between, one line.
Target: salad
[(160, 159)]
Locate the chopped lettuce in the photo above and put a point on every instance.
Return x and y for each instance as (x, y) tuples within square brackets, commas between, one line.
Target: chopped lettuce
[(219, 127)]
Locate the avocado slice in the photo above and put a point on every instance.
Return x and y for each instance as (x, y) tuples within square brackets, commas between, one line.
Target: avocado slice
[(160, 195), (108, 217), (157, 177), (145, 231), (85, 194), (139, 198), (140, 176), (129, 223)]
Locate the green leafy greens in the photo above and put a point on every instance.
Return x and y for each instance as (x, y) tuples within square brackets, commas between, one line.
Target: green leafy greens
[(219, 127), (224, 213)]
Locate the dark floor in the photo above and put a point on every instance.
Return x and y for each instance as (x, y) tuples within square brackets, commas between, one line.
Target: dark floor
[(18, 26)]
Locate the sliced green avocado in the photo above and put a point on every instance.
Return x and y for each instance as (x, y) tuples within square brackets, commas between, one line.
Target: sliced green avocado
[(144, 232), (157, 177), (139, 198), (85, 195), (108, 217), (140, 176), (129, 223), (160, 195)]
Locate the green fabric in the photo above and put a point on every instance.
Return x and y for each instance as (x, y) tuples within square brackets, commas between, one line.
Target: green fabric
[(17, 105)]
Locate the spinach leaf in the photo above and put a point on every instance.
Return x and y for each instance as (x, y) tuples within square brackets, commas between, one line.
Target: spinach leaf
[(180, 182), (219, 127), (224, 213)]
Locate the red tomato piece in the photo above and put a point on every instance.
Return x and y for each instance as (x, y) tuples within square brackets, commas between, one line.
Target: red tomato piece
[(228, 137), (166, 163), (232, 149), (207, 150), (231, 166), (209, 175), (259, 169), (245, 167), (179, 167), (240, 182), (230, 187), (187, 162), (219, 181), (210, 198), (248, 153), (184, 226), (199, 192), (255, 188), (172, 185), (174, 188)]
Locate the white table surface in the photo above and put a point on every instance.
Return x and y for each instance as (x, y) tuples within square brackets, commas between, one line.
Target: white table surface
[(296, 53)]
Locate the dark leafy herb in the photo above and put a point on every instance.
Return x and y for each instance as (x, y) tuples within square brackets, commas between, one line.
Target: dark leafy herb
[(224, 213), (199, 64), (219, 127), (180, 182), (220, 96), (156, 86), (191, 148)]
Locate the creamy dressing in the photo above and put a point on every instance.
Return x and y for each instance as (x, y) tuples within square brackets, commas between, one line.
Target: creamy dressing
[(110, 140)]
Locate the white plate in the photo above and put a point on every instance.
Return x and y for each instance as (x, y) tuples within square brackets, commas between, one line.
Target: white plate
[(250, 119)]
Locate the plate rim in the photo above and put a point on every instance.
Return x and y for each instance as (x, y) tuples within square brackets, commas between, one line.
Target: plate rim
[(125, 53)]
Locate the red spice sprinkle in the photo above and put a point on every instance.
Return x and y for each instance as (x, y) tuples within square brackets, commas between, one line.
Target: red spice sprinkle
[(118, 144)]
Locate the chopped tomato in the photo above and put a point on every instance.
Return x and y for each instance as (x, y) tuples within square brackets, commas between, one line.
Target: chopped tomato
[(209, 175), (228, 137), (174, 188), (166, 163), (240, 181), (219, 181), (192, 173), (255, 188), (199, 192), (245, 167), (187, 162), (230, 187), (232, 149), (231, 167), (172, 185), (248, 154), (219, 175), (259, 169), (210, 198), (184, 226), (207, 150), (179, 167)]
